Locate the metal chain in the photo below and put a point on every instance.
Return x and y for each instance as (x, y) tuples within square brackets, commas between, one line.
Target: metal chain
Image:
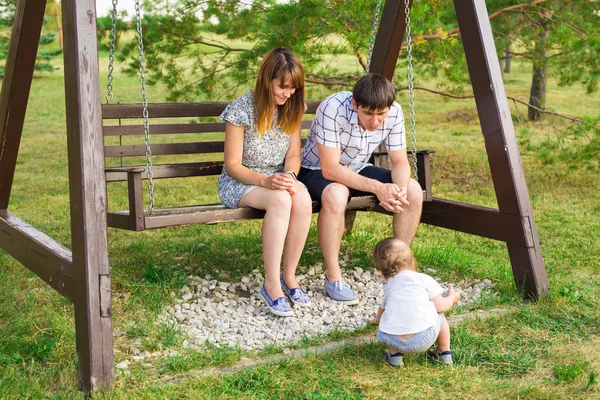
[(111, 55), (411, 94), (138, 18), (373, 34)]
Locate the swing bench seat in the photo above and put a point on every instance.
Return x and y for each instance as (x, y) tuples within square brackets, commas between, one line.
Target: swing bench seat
[(196, 120)]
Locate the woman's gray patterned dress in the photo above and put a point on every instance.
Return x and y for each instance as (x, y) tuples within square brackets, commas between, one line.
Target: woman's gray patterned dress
[(263, 154)]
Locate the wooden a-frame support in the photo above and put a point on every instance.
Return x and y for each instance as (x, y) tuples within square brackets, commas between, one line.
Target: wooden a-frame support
[(82, 275), (513, 222)]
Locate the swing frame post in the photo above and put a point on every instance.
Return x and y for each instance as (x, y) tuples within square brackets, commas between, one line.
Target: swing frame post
[(87, 189)]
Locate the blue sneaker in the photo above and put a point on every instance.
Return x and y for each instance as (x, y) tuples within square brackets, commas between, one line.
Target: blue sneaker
[(298, 296), (280, 306), (340, 292)]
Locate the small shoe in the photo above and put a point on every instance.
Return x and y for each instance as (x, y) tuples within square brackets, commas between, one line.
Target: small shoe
[(444, 357), (297, 295), (395, 360), (280, 306), (340, 292)]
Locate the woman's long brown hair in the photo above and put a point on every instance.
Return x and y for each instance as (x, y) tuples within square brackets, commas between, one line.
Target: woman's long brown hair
[(279, 64)]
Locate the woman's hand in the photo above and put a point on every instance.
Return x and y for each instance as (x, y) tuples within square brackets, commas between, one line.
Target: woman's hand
[(279, 182)]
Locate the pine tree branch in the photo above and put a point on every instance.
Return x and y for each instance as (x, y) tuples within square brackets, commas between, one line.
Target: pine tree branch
[(349, 81), (456, 31), (454, 96), (219, 46)]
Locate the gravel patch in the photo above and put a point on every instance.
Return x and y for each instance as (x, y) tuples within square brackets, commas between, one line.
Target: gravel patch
[(233, 314)]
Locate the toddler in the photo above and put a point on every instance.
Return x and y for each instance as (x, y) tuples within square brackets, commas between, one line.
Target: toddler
[(411, 316)]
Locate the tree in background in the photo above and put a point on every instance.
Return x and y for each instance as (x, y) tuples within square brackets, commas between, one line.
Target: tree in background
[(559, 37), (55, 24), (44, 57)]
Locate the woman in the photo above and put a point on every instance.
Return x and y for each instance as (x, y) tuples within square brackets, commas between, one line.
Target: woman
[(262, 158)]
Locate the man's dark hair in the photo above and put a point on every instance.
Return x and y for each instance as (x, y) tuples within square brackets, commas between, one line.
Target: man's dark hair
[(374, 92)]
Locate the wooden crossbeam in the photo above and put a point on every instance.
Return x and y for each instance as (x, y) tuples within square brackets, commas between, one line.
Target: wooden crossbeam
[(43, 255), (476, 220)]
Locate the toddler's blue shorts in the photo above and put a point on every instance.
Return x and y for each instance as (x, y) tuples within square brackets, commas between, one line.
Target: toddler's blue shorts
[(419, 343)]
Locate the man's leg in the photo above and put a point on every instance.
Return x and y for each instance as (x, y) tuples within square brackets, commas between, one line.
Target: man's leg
[(334, 197), (406, 223), (331, 227)]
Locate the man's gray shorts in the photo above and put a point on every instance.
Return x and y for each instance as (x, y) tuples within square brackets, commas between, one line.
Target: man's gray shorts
[(419, 343)]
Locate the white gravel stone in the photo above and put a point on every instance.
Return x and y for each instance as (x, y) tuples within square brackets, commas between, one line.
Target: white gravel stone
[(123, 365), (218, 316)]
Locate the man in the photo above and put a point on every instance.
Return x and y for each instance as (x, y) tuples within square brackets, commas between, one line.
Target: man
[(346, 130)]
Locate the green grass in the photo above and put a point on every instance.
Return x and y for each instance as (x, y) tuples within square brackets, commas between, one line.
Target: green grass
[(536, 351)]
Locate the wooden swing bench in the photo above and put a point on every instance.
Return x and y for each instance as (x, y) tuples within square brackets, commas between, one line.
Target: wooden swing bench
[(187, 118)]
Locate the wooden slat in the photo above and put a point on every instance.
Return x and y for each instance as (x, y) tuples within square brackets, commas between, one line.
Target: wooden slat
[(306, 124), (41, 254), (163, 110), (216, 213), (87, 188), (181, 170), (164, 129), (164, 149), (16, 84), (159, 171), (174, 110), (170, 129)]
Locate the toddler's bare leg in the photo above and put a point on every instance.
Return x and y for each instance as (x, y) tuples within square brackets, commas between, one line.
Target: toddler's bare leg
[(443, 340)]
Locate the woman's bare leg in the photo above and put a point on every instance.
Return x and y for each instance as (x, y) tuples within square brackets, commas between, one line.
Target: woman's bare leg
[(296, 234), (277, 205)]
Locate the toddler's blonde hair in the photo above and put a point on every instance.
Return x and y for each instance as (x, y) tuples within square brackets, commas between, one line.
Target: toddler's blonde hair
[(392, 256)]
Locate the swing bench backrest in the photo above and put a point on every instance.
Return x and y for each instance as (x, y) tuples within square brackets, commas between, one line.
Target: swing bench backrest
[(123, 132)]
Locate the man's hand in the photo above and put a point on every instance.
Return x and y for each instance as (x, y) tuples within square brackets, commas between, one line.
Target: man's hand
[(392, 198)]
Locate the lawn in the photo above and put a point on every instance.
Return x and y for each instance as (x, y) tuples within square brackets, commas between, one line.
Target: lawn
[(534, 350)]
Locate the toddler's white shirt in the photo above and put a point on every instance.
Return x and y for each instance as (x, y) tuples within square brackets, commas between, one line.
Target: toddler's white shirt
[(407, 305)]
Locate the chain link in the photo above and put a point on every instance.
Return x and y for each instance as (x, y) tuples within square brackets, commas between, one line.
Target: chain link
[(411, 93), (111, 55), (373, 34), (141, 61)]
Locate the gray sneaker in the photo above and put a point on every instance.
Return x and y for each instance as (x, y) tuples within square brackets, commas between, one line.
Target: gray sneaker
[(395, 360), (340, 292), (443, 357)]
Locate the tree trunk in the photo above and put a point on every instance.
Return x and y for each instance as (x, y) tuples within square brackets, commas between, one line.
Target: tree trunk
[(507, 59), (537, 94), (58, 18)]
